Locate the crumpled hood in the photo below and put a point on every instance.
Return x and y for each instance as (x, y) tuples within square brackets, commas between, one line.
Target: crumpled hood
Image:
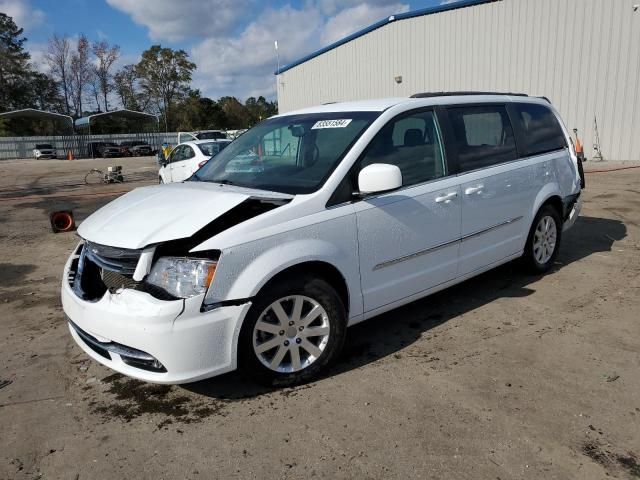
[(160, 213)]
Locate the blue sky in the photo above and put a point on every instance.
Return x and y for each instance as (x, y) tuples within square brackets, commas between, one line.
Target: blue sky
[(231, 41)]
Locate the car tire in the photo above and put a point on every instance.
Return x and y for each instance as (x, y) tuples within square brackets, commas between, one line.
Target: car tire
[(306, 354), (543, 242)]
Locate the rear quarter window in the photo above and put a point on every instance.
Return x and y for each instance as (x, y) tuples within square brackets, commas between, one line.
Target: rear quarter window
[(541, 131)]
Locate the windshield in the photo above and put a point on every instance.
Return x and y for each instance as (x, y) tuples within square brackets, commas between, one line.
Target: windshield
[(43, 146), (291, 154), (211, 148)]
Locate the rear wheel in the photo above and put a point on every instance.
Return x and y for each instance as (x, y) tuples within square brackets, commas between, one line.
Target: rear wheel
[(543, 242), (293, 331)]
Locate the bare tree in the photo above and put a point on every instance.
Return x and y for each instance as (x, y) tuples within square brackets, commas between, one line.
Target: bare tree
[(59, 60), (106, 55), (80, 70), (94, 89), (126, 84)]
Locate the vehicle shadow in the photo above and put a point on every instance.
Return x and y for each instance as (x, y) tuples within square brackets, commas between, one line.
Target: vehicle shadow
[(389, 333)]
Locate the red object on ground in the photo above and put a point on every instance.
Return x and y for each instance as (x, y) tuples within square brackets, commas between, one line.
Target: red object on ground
[(62, 221)]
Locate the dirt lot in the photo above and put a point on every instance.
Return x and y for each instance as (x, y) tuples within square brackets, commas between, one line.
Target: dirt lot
[(505, 376)]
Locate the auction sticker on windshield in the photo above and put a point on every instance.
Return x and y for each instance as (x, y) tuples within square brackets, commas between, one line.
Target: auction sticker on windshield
[(341, 123)]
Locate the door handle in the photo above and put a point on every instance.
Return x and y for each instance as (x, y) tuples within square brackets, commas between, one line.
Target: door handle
[(472, 190), (446, 198)]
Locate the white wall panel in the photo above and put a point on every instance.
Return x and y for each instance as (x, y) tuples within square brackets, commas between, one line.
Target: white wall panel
[(582, 54)]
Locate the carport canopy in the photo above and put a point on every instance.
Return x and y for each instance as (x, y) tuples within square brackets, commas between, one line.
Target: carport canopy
[(117, 121), (32, 114)]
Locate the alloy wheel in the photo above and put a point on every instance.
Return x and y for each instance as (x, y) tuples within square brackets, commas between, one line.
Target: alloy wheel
[(544, 241), (291, 334)]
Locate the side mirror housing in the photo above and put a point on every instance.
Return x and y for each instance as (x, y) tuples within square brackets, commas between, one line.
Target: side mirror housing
[(379, 177)]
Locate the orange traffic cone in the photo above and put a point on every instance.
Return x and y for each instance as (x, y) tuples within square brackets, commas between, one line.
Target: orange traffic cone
[(69, 155), (62, 221)]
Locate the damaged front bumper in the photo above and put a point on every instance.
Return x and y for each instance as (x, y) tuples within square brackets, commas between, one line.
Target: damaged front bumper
[(160, 341)]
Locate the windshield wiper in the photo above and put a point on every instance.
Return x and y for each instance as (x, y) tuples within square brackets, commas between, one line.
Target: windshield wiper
[(223, 182)]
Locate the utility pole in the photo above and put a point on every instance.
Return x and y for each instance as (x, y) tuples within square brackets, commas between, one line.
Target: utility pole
[(275, 43)]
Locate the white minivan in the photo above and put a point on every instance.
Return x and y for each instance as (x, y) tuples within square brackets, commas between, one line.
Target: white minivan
[(313, 221)]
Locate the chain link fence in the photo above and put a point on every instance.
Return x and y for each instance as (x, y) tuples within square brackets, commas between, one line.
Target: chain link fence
[(78, 145)]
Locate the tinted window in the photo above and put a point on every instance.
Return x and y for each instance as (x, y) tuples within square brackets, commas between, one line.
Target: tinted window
[(188, 153), (542, 132), (177, 154), (483, 135), (413, 144), (209, 149)]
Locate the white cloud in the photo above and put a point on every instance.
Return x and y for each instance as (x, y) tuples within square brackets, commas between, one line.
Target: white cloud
[(23, 14), (177, 20), (352, 19), (331, 7), (243, 66), (38, 52), (238, 58)]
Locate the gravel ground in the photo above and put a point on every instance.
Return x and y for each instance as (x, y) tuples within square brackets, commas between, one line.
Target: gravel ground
[(504, 376)]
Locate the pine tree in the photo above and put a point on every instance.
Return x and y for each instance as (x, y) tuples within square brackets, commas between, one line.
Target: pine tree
[(15, 73)]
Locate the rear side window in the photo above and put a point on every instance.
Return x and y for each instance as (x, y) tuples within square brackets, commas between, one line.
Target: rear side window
[(542, 132), (483, 136)]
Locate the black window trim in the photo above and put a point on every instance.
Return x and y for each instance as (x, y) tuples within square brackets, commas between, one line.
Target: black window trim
[(337, 202)]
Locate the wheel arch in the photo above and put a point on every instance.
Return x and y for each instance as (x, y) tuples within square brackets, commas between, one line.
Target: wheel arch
[(556, 202), (319, 268), (548, 195)]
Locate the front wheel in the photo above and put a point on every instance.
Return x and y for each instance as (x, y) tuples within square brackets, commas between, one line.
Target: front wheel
[(294, 330), (543, 242)]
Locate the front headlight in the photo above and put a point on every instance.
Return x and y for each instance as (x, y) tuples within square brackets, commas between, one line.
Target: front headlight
[(182, 277)]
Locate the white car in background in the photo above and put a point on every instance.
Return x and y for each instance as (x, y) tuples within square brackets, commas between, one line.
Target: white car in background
[(44, 150), (187, 158), (202, 135)]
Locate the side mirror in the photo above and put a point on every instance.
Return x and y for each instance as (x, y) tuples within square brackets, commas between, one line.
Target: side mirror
[(379, 177)]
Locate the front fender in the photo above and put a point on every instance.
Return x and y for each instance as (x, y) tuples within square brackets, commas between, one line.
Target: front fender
[(277, 259), (244, 269)]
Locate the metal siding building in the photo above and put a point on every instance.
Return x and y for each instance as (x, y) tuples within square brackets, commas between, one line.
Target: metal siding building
[(584, 55)]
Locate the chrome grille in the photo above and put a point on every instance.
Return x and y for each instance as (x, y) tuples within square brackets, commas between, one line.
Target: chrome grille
[(118, 260)]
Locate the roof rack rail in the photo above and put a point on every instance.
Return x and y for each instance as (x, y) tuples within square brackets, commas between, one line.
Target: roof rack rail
[(451, 94)]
